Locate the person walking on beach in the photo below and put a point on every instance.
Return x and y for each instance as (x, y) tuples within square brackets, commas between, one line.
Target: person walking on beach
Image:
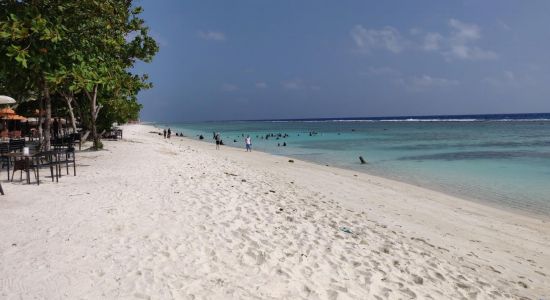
[(218, 139), (169, 132), (164, 131), (248, 143), (56, 128)]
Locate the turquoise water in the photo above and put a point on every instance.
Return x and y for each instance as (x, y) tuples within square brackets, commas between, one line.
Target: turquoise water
[(502, 163)]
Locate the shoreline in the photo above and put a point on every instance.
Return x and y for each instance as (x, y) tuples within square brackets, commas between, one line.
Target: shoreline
[(494, 204), (478, 203), (155, 218)]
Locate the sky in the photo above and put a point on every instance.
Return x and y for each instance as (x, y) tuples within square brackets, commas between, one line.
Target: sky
[(267, 59)]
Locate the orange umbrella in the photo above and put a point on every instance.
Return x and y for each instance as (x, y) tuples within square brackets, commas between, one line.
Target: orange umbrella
[(16, 118), (7, 111)]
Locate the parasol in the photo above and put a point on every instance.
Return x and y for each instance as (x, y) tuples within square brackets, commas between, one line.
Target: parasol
[(6, 100)]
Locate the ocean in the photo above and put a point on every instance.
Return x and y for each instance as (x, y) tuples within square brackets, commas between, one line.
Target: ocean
[(500, 160)]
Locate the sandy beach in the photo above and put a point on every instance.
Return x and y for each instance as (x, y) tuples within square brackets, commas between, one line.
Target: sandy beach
[(154, 218)]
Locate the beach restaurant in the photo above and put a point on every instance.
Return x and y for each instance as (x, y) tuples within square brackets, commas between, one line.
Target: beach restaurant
[(22, 145)]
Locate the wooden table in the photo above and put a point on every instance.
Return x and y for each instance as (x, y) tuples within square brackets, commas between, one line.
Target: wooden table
[(33, 160)]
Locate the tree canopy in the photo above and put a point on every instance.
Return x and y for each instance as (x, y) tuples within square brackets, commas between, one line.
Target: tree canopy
[(81, 50)]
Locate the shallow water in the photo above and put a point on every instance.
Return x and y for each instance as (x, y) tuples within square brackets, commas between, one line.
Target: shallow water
[(500, 161)]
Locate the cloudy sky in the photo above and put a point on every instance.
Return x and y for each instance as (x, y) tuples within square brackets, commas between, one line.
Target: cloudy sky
[(262, 59)]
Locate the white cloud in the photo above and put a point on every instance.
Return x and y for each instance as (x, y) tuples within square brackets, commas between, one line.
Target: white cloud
[(261, 85), (381, 71), (227, 87), (294, 84), (461, 42), (315, 88), (212, 35), (464, 31), (386, 38), (432, 41), (509, 79), (425, 82), (503, 25), (509, 75), (415, 31), (410, 83)]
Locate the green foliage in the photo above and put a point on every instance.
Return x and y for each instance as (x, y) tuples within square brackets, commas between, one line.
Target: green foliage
[(76, 47)]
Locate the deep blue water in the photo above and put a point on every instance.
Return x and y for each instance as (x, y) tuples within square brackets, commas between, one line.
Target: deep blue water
[(502, 160)]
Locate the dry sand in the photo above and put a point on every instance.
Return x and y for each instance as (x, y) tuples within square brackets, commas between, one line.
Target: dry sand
[(150, 218)]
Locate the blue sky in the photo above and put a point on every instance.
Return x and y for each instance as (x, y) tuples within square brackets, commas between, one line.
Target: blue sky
[(261, 59)]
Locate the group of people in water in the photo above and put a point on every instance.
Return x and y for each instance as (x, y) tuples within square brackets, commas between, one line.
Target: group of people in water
[(168, 133), (216, 136)]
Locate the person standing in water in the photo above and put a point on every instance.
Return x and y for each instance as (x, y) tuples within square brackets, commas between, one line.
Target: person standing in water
[(218, 139), (164, 132), (169, 133), (248, 143)]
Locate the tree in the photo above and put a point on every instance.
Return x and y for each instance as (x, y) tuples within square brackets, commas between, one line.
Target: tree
[(75, 48), (30, 44)]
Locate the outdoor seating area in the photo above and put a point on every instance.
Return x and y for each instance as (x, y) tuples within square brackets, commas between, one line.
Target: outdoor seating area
[(113, 134), (23, 157), (25, 154)]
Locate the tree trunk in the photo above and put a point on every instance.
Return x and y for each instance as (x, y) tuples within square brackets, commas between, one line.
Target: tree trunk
[(48, 107), (94, 110), (83, 120), (40, 120), (69, 98)]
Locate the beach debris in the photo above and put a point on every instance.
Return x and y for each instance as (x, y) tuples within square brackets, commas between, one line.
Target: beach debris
[(230, 174), (14, 245), (362, 160), (243, 180), (346, 230), (291, 160), (417, 279), (271, 191), (280, 210)]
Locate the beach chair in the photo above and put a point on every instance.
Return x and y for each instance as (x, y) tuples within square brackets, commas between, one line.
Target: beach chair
[(16, 145), (77, 138), (119, 133), (47, 159), (67, 156), (24, 164)]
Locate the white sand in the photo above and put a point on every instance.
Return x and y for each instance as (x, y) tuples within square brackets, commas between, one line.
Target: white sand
[(161, 219)]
